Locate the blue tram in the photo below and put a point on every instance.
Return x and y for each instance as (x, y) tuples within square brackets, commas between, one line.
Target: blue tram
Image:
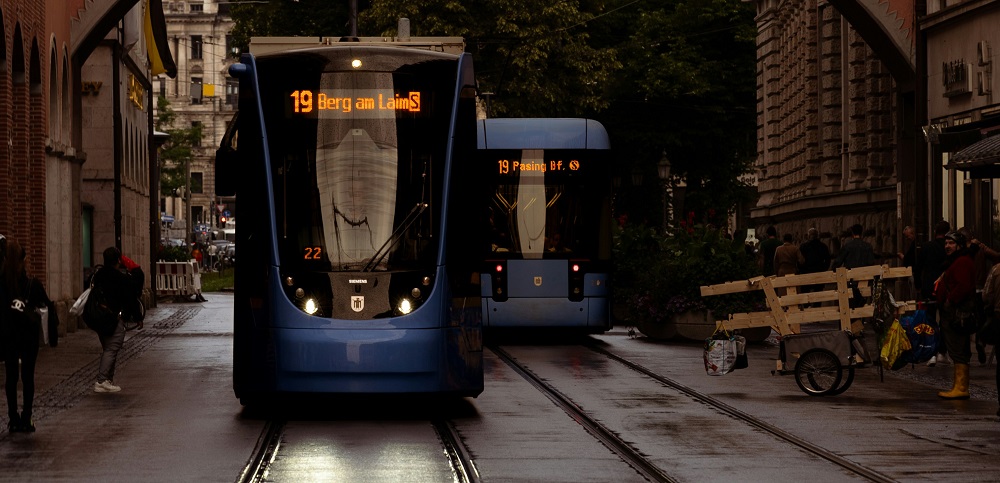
[(344, 159), (549, 221)]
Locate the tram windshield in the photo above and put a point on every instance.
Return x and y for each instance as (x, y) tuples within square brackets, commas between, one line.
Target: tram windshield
[(357, 141), (547, 204)]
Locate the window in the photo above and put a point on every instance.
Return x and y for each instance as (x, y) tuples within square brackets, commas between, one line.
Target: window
[(232, 92), (230, 46), (197, 182), (196, 45), (196, 90), (196, 141), (162, 83), (197, 7)]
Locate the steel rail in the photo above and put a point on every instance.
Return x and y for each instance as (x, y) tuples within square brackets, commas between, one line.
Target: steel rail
[(461, 459), (263, 453), (618, 446), (747, 418)]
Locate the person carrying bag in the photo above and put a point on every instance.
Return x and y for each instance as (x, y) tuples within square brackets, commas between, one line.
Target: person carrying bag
[(116, 290), (22, 298)]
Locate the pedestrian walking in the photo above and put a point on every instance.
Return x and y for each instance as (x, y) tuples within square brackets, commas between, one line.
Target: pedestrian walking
[(787, 257), (120, 290), (21, 297), (909, 256), (766, 251), (983, 258), (991, 302), (817, 258), (815, 253), (931, 262), (956, 292), (855, 252)]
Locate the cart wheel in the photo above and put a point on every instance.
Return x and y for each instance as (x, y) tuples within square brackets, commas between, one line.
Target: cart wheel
[(846, 383), (818, 372)]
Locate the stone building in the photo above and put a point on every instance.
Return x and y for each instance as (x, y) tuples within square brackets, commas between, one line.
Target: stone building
[(963, 112), (827, 147), (865, 107), (66, 66), (203, 94)]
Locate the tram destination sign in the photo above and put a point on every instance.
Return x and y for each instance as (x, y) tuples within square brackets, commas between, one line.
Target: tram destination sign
[(515, 166), (352, 103)]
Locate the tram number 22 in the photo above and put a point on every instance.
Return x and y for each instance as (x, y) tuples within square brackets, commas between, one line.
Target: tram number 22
[(312, 253)]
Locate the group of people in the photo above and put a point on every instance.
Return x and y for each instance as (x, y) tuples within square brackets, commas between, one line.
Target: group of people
[(961, 277), (785, 258), (22, 301), (954, 274)]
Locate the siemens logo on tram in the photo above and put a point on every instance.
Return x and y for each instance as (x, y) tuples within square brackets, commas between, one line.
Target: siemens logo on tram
[(357, 280)]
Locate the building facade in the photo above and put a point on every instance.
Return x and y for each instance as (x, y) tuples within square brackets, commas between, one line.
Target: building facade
[(73, 170), (963, 112), (828, 143), (879, 112), (202, 94)]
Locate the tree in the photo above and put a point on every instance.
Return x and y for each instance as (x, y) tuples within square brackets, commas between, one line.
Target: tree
[(674, 76), (176, 153), (687, 89), (310, 18), (535, 59)]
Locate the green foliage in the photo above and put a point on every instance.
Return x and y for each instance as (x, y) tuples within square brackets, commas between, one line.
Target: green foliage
[(173, 254), (536, 59), (674, 76), (657, 277), (217, 281), (176, 153), (288, 18)]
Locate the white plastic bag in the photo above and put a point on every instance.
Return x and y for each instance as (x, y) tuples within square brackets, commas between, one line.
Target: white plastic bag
[(81, 301), (43, 312), (720, 356)]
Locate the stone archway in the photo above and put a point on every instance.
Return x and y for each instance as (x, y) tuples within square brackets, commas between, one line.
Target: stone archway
[(889, 28)]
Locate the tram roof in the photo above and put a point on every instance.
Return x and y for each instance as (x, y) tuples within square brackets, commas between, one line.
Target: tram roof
[(267, 45), (541, 133)]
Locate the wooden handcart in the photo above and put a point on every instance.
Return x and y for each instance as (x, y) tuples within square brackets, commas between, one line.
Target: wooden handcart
[(818, 359)]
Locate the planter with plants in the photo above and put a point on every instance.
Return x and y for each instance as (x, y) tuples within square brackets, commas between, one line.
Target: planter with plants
[(657, 280)]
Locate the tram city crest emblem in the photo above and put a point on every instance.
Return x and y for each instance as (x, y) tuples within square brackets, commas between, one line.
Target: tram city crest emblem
[(538, 281), (357, 303)]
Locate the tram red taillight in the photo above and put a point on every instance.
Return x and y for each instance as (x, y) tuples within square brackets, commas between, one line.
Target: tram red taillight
[(499, 280), (576, 280)]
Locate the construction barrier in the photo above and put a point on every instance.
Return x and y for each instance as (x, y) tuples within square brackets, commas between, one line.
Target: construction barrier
[(178, 278)]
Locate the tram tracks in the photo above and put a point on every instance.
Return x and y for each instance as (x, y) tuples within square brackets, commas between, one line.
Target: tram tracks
[(758, 423), (270, 445), (634, 457), (621, 448)]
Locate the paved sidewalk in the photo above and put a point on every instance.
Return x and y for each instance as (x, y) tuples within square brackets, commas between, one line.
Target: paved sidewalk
[(70, 368)]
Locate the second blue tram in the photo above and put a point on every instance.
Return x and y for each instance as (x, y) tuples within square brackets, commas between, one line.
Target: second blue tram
[(342, 158), (548, 218)]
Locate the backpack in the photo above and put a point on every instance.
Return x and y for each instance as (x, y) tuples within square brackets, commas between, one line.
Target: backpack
[(924, 339), (97, 313)]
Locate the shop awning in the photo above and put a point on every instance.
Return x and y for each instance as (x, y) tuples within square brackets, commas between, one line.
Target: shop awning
[(981, 159)]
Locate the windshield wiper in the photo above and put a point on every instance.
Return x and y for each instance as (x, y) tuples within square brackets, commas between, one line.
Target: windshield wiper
[(411, 217)]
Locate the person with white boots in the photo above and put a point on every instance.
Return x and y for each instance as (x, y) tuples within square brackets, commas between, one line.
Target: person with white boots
[(956, 294)]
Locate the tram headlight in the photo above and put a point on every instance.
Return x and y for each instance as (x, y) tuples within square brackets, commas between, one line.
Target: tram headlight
[(310, 306), (404, 307)]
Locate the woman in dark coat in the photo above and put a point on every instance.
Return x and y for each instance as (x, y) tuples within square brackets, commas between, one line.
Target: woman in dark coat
[(119, 289), (21, 326)]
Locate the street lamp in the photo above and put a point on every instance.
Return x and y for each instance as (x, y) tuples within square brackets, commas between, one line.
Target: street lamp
[(663, 171)]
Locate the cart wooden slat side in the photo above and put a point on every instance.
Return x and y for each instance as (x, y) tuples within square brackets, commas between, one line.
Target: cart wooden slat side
[(793, 308)]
